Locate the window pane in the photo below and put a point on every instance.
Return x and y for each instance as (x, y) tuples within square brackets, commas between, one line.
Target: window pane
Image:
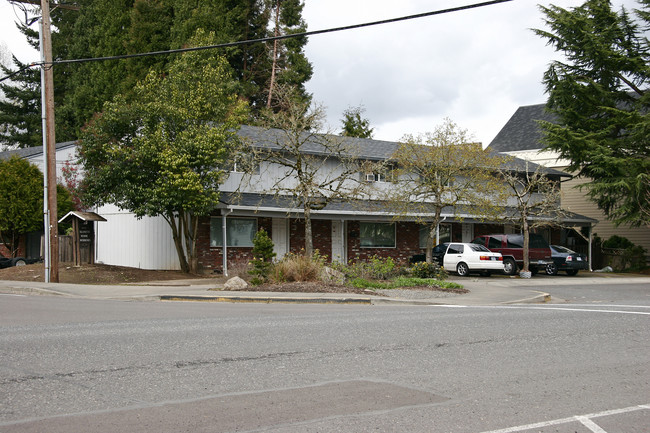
[(377, 235), (240, 232), (494, 242), (515, 241), (445, 234)]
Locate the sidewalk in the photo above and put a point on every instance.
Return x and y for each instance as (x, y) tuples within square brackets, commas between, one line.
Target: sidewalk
[(483, 291)]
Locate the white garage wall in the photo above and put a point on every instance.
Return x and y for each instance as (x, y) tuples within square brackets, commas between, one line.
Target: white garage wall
[(124, 240)]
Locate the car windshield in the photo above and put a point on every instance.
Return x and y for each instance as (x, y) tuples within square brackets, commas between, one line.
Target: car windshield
[(561, 249), (477, 247)]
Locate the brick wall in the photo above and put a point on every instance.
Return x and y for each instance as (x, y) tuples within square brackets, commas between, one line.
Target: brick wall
[(211, 258), (407, 244), (321, 236)]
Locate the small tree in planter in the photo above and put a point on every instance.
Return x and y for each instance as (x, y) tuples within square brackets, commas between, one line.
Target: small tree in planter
[(262, 257)]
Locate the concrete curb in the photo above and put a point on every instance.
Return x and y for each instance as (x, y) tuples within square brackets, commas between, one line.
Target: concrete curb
[(266, 299), (541, 298)]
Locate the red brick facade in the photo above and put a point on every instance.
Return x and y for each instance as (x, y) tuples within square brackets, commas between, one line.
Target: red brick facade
[(407, 242)]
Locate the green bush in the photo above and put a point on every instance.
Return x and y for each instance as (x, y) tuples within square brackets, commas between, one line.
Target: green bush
[(428, 270), (376, 268), (630, 256), (262, 257)]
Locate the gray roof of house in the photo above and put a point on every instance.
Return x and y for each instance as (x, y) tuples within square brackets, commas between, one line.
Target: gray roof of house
[(29, 152), (522, 132), (362, 148)]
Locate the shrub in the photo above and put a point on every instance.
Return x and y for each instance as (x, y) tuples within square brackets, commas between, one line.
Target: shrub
[(428, 270), (298, 267), (262, 257), (630, 256), (376, 268)]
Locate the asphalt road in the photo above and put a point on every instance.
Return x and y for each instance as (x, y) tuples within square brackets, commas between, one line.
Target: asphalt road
[(73, 365)]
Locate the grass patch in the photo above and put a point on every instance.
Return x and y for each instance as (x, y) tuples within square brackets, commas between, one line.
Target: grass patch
[(403, 283)]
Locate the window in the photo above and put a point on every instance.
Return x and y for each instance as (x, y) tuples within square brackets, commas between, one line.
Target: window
[(244, 164), (456, 249), (494, 242), (385, 174), (445, 234), (377, 235), (240, 232), (477, 247), (537, 241), (515, 241)]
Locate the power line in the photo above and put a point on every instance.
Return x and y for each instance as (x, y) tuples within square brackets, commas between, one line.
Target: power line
[(268, 39)]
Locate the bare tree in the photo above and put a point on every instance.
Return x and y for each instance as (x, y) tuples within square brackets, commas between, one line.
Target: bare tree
[(536, 198), (440, 169), (315, 168)]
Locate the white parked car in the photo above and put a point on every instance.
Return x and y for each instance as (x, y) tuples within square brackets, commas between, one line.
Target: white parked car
[(465, 258)]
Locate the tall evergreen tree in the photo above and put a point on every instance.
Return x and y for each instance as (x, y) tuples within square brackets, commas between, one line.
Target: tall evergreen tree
[(601, 98), (20, 115), (112, 27)]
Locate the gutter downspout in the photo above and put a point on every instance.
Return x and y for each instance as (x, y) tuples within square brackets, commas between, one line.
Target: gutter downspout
[(591, 237), (224, 237)]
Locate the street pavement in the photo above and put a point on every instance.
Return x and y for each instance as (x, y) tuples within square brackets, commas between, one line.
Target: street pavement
[(495, 290)]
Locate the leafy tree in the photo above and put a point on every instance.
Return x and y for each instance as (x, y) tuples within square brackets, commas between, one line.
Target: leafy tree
[(440, 169), (162, 152), (536, 199), (601, 100), (21, 201), (20, 116), (354, 125), (310, 180)]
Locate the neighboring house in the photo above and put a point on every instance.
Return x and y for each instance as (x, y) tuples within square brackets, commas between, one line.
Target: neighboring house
[(342, 231), (522, 137), (65, 154)]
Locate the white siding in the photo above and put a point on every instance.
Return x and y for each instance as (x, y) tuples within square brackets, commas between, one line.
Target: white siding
[(62, 156), (575, 200), (123, 240)]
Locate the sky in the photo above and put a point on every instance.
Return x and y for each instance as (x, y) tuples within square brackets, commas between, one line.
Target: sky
[(474, 67)]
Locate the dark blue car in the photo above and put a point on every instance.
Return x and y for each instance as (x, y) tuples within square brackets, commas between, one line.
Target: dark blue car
[(566, 260)]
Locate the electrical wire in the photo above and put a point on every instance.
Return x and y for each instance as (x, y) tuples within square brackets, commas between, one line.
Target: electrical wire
[(268, 39)]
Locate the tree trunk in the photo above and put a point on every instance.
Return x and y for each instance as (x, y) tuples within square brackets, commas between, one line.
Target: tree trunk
[(178, 243), (526, 244), (275, 55), (309, 245)]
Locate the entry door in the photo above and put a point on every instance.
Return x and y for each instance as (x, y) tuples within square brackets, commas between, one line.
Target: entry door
[(468, 232), (280, 237), (338, 242)]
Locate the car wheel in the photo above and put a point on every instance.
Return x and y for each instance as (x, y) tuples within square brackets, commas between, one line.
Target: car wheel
[(551, 269), (18, 262), (509, 267), (534, 271), (462, 269), (572, 272)]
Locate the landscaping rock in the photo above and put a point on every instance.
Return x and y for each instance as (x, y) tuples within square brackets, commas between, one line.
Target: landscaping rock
[(332, 276), (235, 283)]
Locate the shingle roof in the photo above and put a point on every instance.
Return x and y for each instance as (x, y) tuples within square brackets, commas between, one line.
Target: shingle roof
[(522, 132), (28, 152), (360, 147)]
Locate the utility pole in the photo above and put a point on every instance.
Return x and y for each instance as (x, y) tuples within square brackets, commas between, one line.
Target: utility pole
[(50, 143), (50, 223)]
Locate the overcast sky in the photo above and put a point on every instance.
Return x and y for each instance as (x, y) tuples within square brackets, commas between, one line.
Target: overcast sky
[(475, 67)]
